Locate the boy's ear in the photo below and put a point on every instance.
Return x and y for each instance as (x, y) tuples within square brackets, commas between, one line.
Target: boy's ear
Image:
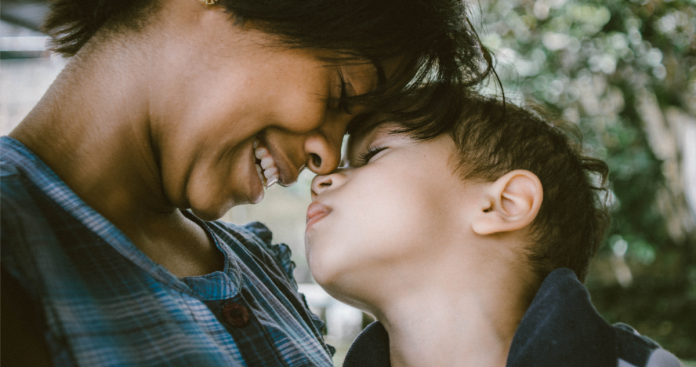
[(510, 203)]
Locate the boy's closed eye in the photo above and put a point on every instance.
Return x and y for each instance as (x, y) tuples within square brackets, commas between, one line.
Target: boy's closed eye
[(371, 152), (363, 148)]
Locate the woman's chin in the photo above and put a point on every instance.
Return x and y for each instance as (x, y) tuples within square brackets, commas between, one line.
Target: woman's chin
[(212, 211), (207, 215), (209, 206)]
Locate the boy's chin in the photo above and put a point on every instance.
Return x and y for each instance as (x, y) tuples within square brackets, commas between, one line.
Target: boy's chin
[(339, 286), (341, 275), (327, 280), (345, 295)]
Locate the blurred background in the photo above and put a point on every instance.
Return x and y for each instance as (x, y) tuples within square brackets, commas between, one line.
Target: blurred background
[(624, 71)]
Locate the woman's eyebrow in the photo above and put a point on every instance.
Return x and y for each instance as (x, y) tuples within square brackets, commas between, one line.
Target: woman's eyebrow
[(346, 161)]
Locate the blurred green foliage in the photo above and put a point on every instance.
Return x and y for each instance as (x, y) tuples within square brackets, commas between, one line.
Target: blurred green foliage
[(592, 62)]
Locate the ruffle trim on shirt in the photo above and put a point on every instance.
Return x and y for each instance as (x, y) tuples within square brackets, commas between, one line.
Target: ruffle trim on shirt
[(282, 255), (319, 324), (280, 252)]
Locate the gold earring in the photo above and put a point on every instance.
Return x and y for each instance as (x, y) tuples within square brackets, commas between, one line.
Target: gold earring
[(208, 2)]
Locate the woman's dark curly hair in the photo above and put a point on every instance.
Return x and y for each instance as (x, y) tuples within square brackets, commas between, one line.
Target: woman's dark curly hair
[(434, 40)]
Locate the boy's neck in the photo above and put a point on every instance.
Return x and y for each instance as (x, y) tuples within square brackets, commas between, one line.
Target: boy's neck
[(457, 321)]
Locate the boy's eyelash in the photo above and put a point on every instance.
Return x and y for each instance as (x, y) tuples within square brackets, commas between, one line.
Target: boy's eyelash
[(364, 158)]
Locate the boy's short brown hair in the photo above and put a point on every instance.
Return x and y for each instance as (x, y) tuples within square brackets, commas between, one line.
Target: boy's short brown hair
[(494, 138)]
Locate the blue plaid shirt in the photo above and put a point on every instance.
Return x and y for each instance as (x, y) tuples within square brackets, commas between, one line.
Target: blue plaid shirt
[(107, 304)]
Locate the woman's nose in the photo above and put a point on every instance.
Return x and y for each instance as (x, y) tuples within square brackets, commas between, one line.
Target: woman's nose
[(323, 149)]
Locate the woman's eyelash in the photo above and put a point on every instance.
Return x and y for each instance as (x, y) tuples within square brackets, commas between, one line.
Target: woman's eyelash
[(342, 102), (364, 158)]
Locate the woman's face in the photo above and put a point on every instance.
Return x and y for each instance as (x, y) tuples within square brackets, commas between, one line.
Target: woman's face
[(224, 92)]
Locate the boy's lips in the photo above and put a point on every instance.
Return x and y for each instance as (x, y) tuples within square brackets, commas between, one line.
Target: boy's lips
[(316, 211)]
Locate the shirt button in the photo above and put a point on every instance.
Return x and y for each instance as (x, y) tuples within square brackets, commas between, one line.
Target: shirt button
[(235, 314)]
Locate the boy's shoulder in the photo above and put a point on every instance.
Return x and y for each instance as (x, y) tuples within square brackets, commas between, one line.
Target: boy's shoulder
[(634, 350), (560, 328)]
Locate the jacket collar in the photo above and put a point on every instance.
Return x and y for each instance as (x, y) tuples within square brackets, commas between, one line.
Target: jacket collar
[(560, 328)]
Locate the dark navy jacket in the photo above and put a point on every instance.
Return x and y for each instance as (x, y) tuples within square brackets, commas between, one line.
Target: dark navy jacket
[(560, 328)]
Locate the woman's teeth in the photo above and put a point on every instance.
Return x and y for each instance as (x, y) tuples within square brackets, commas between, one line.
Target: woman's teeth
[(265, 165)]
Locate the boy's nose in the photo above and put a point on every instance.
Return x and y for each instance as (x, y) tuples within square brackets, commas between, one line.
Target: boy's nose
[(320, 183)]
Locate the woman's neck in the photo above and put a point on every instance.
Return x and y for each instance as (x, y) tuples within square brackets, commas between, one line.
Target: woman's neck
[(93, 129), (455, 322)]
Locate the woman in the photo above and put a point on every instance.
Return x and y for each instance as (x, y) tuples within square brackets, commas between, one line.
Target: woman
[(168, 114)]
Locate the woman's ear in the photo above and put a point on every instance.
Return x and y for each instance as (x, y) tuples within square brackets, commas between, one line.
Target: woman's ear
[(510, 203)]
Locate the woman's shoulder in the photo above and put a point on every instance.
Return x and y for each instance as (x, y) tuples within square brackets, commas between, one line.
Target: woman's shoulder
[(13, 184), (24, 181), (21, 213)]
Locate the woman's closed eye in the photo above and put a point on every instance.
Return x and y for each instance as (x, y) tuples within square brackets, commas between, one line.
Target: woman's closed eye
[(365, 158), (342, 102)]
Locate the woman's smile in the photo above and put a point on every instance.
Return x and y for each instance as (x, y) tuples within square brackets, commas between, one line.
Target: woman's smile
[(265, 165)]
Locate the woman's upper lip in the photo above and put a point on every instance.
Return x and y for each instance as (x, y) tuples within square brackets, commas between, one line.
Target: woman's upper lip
[(287, 175), (315, 209)]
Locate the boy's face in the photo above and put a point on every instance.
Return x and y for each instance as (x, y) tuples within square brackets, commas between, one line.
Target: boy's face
[(395, 205)]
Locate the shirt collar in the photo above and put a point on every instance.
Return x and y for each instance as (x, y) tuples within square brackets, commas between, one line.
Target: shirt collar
[(562, 328)]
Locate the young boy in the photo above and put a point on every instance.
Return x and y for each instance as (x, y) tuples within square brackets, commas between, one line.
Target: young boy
[(469, 243)]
